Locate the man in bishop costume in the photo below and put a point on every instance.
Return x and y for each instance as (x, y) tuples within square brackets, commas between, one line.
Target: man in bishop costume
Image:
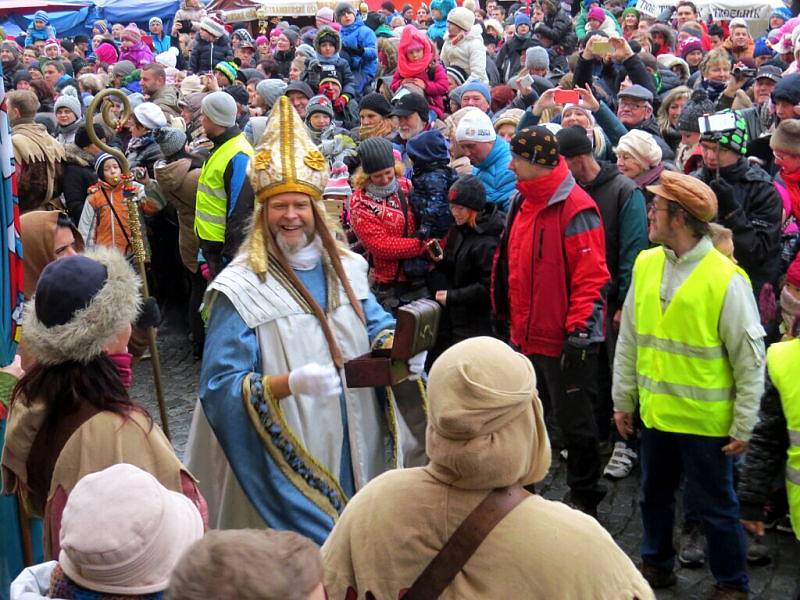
[(277, 439)]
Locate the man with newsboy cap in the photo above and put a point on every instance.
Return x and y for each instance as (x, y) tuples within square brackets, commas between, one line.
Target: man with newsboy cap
[(690, 354)]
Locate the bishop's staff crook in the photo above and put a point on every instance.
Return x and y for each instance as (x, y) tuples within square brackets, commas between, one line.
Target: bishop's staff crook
[(135, 226)]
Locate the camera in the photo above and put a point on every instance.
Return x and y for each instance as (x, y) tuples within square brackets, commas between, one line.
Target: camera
[(743, 73)]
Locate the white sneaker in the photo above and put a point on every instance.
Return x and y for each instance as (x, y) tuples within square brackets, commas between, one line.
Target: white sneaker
[(621, 462)]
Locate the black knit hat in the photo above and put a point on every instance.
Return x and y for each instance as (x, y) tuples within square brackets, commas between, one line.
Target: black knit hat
[(376, 103), (58, 298), (573, 141), (82, 138), (468, 191), (239, 94), (787, 89), (697, 106), (537, 145), (375, 154)]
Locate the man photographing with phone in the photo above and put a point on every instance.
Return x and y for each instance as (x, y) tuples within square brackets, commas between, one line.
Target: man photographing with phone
[(748, 203)]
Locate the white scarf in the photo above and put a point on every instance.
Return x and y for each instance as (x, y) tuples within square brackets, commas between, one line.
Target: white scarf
[(307, 257)]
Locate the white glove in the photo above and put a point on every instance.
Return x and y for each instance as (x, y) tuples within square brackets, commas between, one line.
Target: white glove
[(416, 365), (315, 380)]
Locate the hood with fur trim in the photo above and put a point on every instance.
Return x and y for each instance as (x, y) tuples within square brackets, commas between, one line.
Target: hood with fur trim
[(83, 337)]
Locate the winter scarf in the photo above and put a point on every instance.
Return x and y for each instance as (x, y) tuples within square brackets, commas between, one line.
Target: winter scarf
[(384, 128), (137, 144), (713, 88), (406, 68), (67, 133), (122, 362), (792, 181), (382, 191)]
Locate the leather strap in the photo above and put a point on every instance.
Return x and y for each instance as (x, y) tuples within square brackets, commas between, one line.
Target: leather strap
[(465, 540)]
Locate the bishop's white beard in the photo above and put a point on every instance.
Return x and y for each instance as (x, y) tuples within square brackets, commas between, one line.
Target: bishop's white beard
[(304, 255)]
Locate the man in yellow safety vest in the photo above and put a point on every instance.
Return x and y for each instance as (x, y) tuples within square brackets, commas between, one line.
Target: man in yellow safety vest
[(690, 354), (224, 196)]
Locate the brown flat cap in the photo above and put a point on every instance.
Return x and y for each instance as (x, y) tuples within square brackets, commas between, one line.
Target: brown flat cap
[(692, 194)]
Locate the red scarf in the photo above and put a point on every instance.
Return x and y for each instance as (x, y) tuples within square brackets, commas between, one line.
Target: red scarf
[(792, 181), (406, 68)]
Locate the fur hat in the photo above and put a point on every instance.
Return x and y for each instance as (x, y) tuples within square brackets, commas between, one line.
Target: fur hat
[(691, 193), (69, 321), (326, 34), (786, 137), (461, 17)]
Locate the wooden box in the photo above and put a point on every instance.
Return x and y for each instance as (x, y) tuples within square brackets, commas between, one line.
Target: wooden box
[(416, 331)]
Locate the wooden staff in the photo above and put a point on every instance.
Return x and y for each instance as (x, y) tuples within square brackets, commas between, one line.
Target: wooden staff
[(137, 241)]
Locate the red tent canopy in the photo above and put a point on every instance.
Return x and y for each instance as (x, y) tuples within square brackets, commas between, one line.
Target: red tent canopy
[(26, 7)]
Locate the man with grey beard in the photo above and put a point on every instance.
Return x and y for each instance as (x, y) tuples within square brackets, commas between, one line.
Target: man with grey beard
[(278, 439)]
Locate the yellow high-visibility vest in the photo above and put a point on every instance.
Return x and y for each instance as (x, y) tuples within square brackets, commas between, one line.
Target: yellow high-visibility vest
[(783, 364), (683, 374), (211, 209)]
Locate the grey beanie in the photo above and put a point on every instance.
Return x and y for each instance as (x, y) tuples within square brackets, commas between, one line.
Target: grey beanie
[(375, 154), (171, 140), (220, 108), (537, 58), (270, 90), (123, 68), (342, 8), (70, 102)]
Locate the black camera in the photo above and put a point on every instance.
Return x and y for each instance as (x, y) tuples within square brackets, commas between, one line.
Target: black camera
[(743, 73)]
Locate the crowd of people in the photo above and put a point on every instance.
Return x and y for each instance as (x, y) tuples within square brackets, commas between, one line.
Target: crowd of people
[(603, 204)]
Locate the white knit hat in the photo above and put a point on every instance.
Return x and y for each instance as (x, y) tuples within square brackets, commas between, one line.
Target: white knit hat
[(475, 126), (122, 532), (168, 58), (150, 115), (213, 26), (642, 146), (461, 17)]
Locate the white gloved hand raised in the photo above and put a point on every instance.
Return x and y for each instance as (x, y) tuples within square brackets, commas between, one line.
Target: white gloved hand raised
[(315, 380), (416, 365)]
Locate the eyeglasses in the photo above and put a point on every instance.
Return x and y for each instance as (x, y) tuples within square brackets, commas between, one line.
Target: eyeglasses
[(632, 105), (653, 208)]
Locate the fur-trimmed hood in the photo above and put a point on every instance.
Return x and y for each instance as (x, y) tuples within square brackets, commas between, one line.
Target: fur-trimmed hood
[(83, 338), (78, 156)]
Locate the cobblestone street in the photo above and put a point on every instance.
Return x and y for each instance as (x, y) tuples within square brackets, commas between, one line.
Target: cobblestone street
[(619, 512)]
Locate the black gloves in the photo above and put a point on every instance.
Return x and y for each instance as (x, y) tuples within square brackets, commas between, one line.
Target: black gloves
[(150, 315), (575, 348), (726, 203), (357, 51)]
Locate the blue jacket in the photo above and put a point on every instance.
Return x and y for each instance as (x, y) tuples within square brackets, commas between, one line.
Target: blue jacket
[(359, 47), (163, 44), (314, 73), (431, 181), (499, 181), (33, 34), (438, 29)]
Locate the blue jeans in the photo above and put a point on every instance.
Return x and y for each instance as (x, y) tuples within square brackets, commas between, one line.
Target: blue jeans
[(709, 494)]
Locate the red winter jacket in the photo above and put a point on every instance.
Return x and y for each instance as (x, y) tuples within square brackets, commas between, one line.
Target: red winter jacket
[(550, 275), (379, 225), (435, 87)]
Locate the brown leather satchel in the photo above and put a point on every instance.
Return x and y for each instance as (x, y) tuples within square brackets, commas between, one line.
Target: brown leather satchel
[(416, 330), (465, 540)]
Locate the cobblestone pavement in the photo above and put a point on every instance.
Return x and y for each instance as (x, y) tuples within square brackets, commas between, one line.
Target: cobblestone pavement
[(618, 513)]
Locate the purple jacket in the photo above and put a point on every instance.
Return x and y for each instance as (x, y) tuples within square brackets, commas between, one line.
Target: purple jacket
[(139, 55)]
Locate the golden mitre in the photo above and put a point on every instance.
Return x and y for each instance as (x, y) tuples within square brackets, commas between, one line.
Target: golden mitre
[(286, 159)]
